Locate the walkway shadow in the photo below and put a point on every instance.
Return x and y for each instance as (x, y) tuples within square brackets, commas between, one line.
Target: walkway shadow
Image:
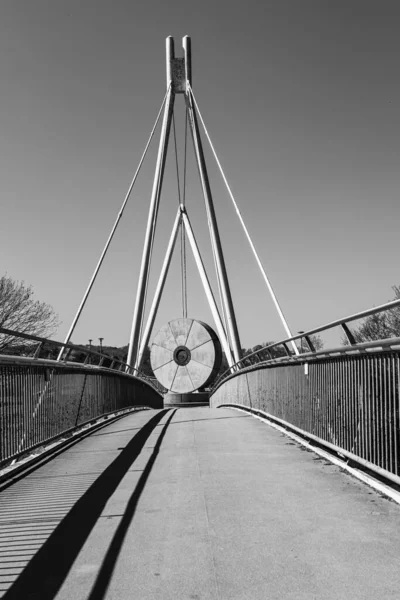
[(46, 572), (102, 582)]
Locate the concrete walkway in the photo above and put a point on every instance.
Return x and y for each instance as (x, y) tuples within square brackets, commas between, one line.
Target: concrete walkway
[(195, 503)]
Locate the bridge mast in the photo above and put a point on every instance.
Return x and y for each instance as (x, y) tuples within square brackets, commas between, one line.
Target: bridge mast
[(179, 77), (212, 219), (153, 211)]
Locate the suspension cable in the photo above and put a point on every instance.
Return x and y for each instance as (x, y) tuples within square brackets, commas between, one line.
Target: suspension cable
[(110, 237), (274, 298)]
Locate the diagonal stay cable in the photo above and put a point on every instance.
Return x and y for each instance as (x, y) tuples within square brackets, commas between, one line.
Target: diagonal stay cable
[(271, 291), (85, 297)]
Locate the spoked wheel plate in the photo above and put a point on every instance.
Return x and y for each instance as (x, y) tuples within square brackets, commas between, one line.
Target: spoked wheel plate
[(185, 355)]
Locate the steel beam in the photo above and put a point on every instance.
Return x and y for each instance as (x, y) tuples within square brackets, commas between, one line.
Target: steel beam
[(159, 289), (187, 49), (207, 287), (153, 211), (214, 232)]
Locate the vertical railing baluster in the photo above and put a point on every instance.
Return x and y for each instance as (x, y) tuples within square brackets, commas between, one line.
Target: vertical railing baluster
[(381, 396), (395, 395), (386, 412), (392, 412), (397, 413), (360, 408), (349, 402)]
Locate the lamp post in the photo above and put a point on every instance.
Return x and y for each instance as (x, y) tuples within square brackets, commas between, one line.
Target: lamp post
[(101, 344)]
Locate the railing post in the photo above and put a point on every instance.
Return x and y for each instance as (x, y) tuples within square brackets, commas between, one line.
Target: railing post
[(349, 335), (38, 349), (309, 342)]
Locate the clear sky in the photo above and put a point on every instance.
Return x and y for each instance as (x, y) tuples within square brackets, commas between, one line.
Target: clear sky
[(301, 98)]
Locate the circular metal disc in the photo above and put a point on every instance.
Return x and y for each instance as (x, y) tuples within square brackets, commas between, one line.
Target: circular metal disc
[(185, 355)]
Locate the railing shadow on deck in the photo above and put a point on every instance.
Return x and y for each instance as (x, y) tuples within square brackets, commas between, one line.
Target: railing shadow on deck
[(48, 568)]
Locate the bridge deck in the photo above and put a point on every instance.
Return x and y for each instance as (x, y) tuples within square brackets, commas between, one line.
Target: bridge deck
[(197, 504)]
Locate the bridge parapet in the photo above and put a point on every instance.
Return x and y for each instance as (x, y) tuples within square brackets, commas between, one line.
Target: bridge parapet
[(352, 347), (42, 399), (348, 399)]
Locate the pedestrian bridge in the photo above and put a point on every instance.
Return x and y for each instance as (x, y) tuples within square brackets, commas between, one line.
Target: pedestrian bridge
[(107, 494), (195, 503), (286, 486)]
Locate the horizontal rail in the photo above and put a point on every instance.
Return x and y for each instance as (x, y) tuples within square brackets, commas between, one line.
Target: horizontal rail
[(38, 338), (385, 345), (307, 334), (116, 364)]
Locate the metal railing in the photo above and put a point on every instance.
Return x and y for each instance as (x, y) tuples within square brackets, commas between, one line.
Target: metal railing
[(103, 360), (350, 402), (307, 336), (41, 399), (346, 398)]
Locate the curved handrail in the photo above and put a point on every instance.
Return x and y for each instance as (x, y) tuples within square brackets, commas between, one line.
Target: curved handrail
[(119, 364), (238, 366)]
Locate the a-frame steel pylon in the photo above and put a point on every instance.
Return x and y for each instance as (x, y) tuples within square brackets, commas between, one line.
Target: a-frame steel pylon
[(179, 80)]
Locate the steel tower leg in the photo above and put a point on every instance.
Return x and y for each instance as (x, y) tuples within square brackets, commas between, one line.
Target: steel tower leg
[(214, 233), (153, 211), (207, 287), (159, 290), (212, 220)]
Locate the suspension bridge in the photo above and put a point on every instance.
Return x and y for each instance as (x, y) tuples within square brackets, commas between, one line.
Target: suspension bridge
[(273, 476)]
